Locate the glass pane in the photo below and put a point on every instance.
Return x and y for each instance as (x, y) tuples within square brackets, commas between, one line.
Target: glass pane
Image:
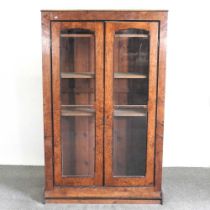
[(130, 91), (78, 145), (131, 64), (131, 71), (77, 99), (77, 51), (129, 152), (77, 91)]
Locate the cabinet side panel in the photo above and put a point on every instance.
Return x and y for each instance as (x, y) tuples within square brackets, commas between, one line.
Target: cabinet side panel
[(47, 101), (160, 104)]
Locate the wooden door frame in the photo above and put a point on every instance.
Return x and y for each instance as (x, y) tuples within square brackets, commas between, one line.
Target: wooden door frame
[(111, 27), (58, 178)]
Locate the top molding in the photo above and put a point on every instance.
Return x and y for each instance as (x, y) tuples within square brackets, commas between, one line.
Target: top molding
[(103, 15)]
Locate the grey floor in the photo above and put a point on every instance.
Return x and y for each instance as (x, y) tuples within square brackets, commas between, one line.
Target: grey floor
[(21, 188)]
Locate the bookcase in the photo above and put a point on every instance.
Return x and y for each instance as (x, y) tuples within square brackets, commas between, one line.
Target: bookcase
[(103, 82)]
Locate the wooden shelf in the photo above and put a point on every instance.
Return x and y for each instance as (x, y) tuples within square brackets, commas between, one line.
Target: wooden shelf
[(132, 35), (77, 106), (122, 75), (76, 111), (141, 112), (130, 106), (78, 90), (83, 75), (76, 35)]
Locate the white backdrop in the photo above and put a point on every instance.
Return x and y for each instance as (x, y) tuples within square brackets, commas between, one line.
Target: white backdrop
[(187, 117)]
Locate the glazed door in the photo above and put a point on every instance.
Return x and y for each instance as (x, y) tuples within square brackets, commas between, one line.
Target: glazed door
[(77, 85), (130, 102)]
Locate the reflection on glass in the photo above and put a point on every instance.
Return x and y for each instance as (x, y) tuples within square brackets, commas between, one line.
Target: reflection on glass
[(131, 64), (77, 72), (131, 70), (130, 91)]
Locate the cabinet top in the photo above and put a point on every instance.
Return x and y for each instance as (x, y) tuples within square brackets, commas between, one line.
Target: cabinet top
[(46, 10), (104, 15)]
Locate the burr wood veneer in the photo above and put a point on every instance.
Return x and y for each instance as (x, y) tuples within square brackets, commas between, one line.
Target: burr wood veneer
[(103, 82)]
